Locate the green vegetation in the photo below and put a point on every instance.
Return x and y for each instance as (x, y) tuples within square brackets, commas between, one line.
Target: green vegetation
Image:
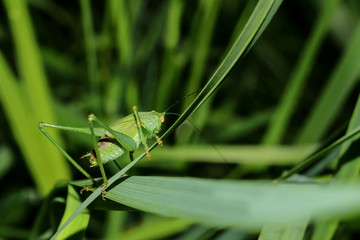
[(276, 104)]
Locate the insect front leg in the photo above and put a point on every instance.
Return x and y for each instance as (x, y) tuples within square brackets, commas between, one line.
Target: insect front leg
[(142, 136), (92, 118), (151, 133)]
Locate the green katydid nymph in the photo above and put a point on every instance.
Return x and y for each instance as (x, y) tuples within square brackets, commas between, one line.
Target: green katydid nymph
[(126, 134)]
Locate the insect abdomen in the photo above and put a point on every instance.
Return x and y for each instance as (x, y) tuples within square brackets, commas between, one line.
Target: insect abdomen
[(108, 150)]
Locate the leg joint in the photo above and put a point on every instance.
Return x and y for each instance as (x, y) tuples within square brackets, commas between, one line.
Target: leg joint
[(91, 117)]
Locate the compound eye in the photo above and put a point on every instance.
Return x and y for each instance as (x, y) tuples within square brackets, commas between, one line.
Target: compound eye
[(162, 119)]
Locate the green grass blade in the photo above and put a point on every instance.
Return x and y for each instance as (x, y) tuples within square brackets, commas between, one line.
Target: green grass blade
[(269, 15), (354, 123), (292, 231), (210, 10), (77, 227), (158, 229), (122, 22), (48, 166), (27, 135), (7, 159), (29, 60), (240, 154), (9, 232), (172, 62), (287, 104), (96, 193), (313, 158), (347, 174), (116, 220), (261, 8), (341, 82), (78, 211), (242, 204), (243, 18), (251, 30), (275, 6), (91, 58)]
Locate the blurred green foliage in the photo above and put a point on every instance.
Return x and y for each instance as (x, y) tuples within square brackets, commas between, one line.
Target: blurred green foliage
[(295, 90)]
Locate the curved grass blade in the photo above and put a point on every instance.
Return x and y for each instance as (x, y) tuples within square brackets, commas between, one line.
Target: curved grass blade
[(254, 27)]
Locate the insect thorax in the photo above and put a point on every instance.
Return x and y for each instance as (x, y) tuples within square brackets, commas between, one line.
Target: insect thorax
[(152, 120)]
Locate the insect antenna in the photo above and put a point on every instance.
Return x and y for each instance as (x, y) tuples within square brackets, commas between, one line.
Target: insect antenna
[(202, 135), (180, 100)]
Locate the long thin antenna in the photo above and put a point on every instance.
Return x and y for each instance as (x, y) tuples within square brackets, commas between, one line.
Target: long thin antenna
[(180, 100), (202, 135)]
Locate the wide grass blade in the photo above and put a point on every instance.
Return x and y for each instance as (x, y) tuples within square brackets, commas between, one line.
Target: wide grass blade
[(240, 154), (242, 204), (28, 101), (45, 173)]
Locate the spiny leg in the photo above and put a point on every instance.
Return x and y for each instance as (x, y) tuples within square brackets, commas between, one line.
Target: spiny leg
[(67, 156), (151, 133), (91, 118), (142, 136), (159, 141)]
